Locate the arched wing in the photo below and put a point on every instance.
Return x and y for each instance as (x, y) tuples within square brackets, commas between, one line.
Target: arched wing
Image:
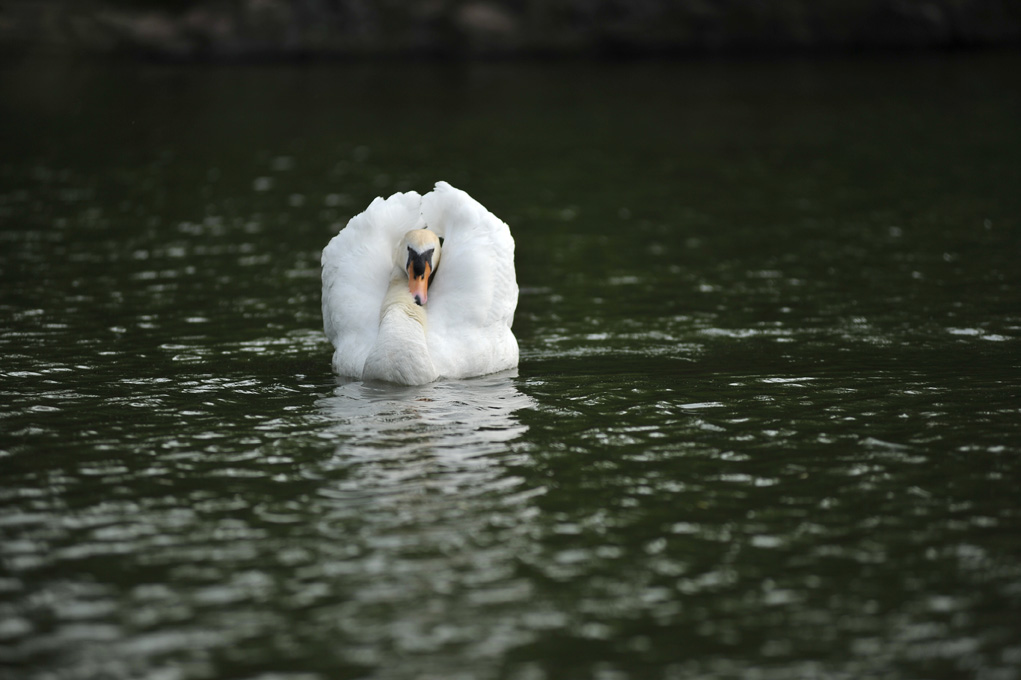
[(475, 292), (357, 265)]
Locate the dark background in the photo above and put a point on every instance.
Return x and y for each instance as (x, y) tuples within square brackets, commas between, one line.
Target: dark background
[(273, 29)]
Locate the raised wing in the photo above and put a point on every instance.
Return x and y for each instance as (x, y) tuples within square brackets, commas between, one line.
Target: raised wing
[(475, 292), (357, 265)]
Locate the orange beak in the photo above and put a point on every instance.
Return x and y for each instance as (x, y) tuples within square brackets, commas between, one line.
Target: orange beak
[(418, 286)]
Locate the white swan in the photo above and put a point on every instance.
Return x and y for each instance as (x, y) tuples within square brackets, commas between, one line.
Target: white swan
[(421, 287)]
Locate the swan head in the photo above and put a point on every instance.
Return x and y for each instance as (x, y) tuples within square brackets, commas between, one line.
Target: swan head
[(418, 256)]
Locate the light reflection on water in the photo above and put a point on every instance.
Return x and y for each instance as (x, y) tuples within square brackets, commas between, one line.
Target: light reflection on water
[(765, 423), (458, 419)]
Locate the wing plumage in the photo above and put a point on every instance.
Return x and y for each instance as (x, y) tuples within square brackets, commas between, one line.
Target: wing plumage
[(357, 265), (472, 297), (475, 292)]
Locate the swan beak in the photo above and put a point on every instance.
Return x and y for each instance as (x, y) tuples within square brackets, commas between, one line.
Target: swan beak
[(418, 286)]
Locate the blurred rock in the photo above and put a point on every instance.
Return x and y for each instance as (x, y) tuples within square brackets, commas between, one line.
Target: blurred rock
[(487, 27)]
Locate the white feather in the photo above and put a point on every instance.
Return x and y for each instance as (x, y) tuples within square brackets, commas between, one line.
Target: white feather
[(356, 273), (472, 298)]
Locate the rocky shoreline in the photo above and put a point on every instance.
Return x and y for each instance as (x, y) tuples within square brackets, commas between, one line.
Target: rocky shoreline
[(275, 29)]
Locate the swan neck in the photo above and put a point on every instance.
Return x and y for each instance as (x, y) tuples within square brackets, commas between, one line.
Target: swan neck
[(400, 353), (399, 300)]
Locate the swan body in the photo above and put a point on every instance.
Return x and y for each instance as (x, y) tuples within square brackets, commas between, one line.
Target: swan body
[(417, 288)]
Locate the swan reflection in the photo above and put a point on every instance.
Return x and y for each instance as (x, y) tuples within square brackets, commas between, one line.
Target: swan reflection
[(425, 464), (446, 420)]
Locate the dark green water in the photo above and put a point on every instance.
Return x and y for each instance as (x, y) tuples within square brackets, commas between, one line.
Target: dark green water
[(767, 422)]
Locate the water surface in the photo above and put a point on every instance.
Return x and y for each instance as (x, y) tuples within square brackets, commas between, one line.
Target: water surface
[(765, 424)]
